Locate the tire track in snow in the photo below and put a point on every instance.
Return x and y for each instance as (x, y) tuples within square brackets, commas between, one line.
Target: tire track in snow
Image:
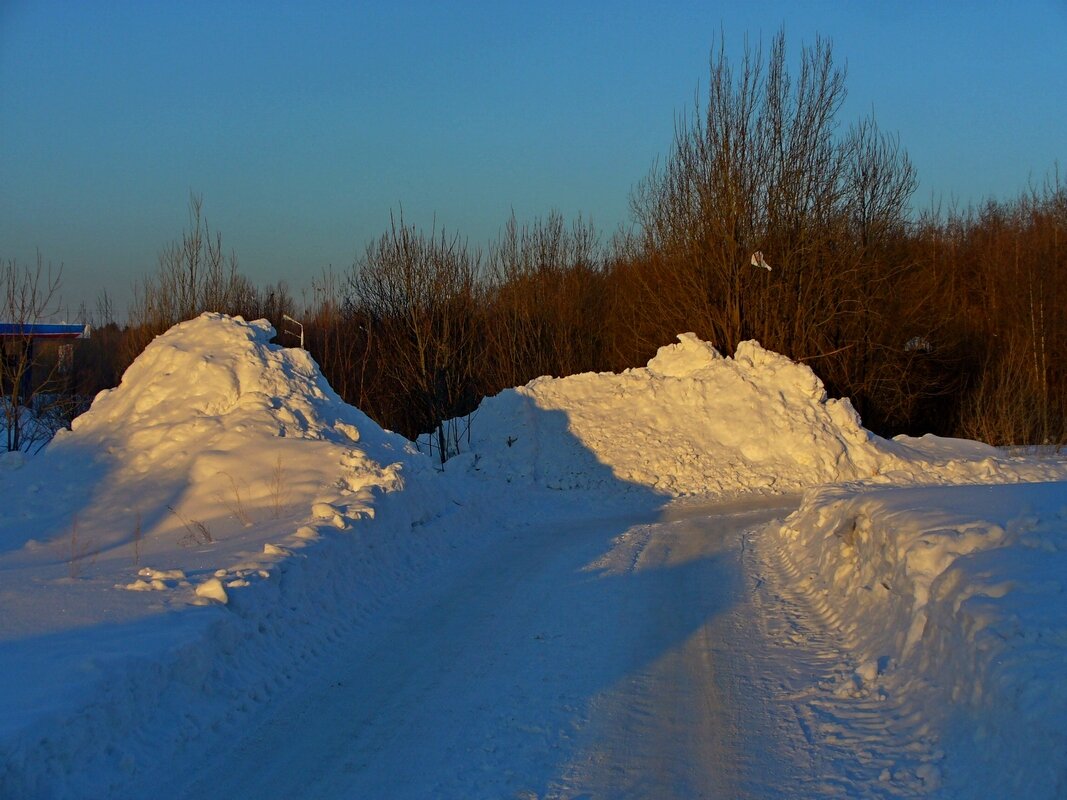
[(693, 723), (864, 743), (590, 659)]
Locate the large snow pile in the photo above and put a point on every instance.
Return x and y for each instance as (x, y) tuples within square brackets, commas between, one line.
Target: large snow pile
[(212, 435), (690, 422), (694, 422), (955, 601), (153, 558)]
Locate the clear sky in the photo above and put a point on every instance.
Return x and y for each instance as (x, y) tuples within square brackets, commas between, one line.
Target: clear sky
[(302, 124)]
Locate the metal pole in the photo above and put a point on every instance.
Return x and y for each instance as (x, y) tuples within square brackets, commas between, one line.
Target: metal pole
[(290, 319)]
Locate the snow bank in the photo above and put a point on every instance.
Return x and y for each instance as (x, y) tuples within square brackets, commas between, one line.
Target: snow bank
[(694, 422), (212, 430), (198, 536), (955, 601), (690, 422)]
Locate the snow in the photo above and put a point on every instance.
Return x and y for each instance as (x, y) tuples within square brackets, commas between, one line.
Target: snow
[(695, 423), (691, 422), (220, 533), (954, 600), (225, 473)]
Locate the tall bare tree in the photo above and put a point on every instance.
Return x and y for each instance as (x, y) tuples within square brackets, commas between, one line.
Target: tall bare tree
[(419, 294), (195, 274)]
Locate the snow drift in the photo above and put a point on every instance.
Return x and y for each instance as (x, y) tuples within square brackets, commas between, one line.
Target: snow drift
[(690, 422), (694, 422), (210, 424), (954, 600), (200, 533)]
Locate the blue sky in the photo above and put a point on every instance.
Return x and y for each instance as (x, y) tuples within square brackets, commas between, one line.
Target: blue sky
[(303, 124)]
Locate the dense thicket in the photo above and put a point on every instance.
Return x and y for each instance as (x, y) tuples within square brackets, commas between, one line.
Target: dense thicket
[(946, 322)]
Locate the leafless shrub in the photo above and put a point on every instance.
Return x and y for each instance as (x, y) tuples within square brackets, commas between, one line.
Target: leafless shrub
[(278, 489), (546, 301), (195, 274), (235, 504), (421, 296), (196, 532)]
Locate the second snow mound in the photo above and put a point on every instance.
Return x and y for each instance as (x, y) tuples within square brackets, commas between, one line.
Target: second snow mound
[(691, 422)]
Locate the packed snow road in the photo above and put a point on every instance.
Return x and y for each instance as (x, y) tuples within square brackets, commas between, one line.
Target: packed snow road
[(599, 658)]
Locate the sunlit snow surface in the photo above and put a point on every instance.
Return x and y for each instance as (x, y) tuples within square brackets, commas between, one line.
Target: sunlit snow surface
[(220, 526), (694, 422)]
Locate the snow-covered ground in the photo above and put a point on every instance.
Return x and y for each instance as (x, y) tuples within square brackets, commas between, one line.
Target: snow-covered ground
[(224, 580), (952, 602)]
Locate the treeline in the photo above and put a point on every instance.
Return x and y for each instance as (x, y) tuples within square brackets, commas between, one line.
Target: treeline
[(946, 321)]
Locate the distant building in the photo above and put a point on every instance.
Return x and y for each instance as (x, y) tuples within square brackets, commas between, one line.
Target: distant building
[(24, 343)]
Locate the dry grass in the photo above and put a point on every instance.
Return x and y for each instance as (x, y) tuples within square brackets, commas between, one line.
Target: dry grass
[(235, 503), (196, 532), (138, 539), (278, 490), (79, 554)]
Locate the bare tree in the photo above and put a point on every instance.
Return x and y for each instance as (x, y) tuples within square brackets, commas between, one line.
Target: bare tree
[(195, 274), (879, 182), (30, 414), (546, 300), (420, 295), (756, 168), (760, 165)]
